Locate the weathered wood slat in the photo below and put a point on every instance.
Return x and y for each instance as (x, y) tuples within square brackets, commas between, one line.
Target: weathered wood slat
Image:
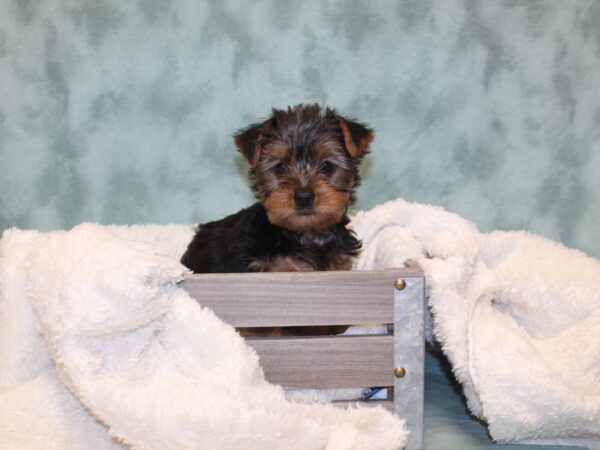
[(327, 362), (299, 298), (331, 298)]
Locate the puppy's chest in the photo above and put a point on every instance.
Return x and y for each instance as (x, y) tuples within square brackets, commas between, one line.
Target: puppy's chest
[(303, 254)]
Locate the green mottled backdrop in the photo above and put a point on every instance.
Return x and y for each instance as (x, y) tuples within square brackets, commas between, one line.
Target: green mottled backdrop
[(122, 111)]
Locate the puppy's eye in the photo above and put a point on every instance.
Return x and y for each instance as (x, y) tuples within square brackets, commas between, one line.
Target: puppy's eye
[(326, 167), (280, 168)]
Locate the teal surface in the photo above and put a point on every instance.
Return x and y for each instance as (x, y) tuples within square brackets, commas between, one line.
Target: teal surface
[(122, 111), (448, 424)]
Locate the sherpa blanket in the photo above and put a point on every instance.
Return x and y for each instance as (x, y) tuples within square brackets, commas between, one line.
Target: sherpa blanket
[(517, 315), (100, 348)]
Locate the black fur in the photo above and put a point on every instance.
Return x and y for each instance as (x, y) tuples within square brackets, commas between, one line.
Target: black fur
[(233, 243)]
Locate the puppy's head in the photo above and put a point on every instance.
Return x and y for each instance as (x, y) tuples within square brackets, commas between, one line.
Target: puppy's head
[(304, 162)]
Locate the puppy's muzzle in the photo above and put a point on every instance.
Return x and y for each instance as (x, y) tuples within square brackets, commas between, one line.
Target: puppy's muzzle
[(304, 199)]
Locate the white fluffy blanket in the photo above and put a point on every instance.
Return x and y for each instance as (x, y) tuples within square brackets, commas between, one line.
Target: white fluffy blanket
[(101, 349), (517, 315)]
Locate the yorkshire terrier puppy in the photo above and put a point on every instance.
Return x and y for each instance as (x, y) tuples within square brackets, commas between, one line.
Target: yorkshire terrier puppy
[(304, 166)]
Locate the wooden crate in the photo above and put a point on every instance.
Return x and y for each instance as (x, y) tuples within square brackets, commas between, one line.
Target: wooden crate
[(287, 299)]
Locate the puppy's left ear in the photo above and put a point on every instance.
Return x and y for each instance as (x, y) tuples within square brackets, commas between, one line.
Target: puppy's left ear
[(250, 140), (357, 137)]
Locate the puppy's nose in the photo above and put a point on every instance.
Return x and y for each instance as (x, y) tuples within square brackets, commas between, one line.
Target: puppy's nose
[(304, 199)]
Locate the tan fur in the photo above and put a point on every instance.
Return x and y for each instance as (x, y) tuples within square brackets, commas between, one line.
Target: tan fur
[(356, 149)]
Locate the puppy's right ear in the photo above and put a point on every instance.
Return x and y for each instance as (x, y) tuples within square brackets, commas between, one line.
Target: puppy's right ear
[(357, 137), (250, 140)]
